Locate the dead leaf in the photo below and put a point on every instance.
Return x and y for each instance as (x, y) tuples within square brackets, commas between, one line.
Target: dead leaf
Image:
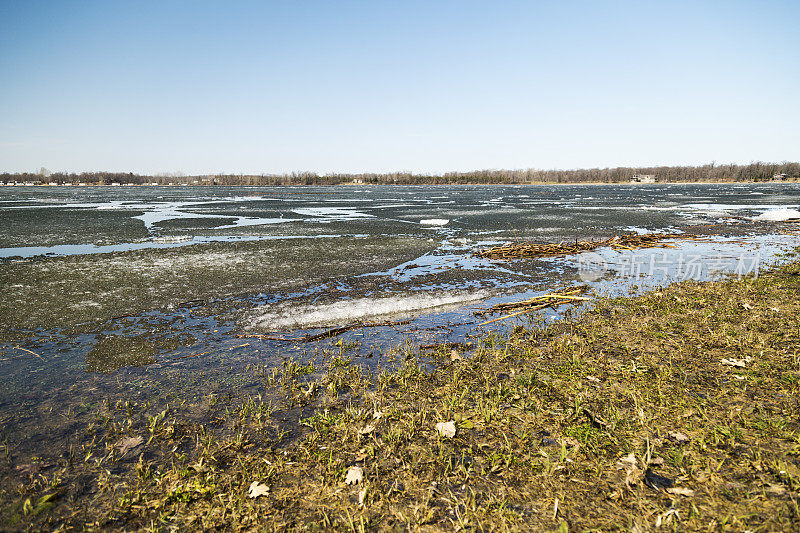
[(362, 494), (569, 442), (30, 468), (366, 430), (455, 356), (678, 437), (126, 444), (355, 475), (257, 489), (739, 363), (377, 415), (747, 306), (633, 474), (665, 518), (446, 429), (776, 490), (681, 491)]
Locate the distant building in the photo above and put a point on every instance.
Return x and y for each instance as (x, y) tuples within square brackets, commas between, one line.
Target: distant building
[(779, 177), (644, 178)]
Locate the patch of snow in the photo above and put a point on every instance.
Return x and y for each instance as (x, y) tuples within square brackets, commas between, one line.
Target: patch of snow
[(778, 215)]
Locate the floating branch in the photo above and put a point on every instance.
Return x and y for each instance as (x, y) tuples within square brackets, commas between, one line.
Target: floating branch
[(553, 299), (28, 351), (333, 332)]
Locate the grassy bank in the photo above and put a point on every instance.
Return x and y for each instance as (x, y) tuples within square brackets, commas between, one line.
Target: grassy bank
[(677, 409)]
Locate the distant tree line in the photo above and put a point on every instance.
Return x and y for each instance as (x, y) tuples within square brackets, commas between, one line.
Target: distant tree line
[(712, 172)]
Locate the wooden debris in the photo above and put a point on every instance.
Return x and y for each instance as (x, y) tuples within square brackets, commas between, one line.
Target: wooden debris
[(333, 332), (28, 351), (460, 346), (631, 241), (543, 301)]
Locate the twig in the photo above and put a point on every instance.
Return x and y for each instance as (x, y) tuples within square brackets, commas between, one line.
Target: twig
[(512, 315), (333, 332), (264, 337), (27, 350)]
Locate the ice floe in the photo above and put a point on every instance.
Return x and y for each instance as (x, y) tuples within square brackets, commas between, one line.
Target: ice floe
[(288, 316), (778, 215)]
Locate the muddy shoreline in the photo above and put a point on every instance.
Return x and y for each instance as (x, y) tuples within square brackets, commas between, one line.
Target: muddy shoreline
[(183, 444)]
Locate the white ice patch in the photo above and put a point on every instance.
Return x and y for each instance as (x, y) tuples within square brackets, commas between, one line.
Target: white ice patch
[(161, 213), (434, 222), (156, 213), (328, 214), (778, 215), (286, 316)]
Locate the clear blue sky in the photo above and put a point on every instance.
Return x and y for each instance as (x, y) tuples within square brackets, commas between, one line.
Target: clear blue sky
[(217, 86)]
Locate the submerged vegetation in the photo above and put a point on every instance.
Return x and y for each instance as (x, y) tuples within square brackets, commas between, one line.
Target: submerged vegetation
[(676, 409)]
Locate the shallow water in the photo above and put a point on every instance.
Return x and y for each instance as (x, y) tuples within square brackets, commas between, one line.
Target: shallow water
[(142, 291)]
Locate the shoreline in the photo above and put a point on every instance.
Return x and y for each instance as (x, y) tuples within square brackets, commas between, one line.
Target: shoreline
[(543, 414), (404, 184)]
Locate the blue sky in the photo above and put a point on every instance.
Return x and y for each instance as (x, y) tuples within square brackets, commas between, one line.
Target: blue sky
[(203, 87)]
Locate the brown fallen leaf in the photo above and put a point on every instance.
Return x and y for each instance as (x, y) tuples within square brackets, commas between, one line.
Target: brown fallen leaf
[(366, 430), (633, 474), (126, 444), (257, 489), (678, 437), (31, 468), (680, 491), (355, 475)]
